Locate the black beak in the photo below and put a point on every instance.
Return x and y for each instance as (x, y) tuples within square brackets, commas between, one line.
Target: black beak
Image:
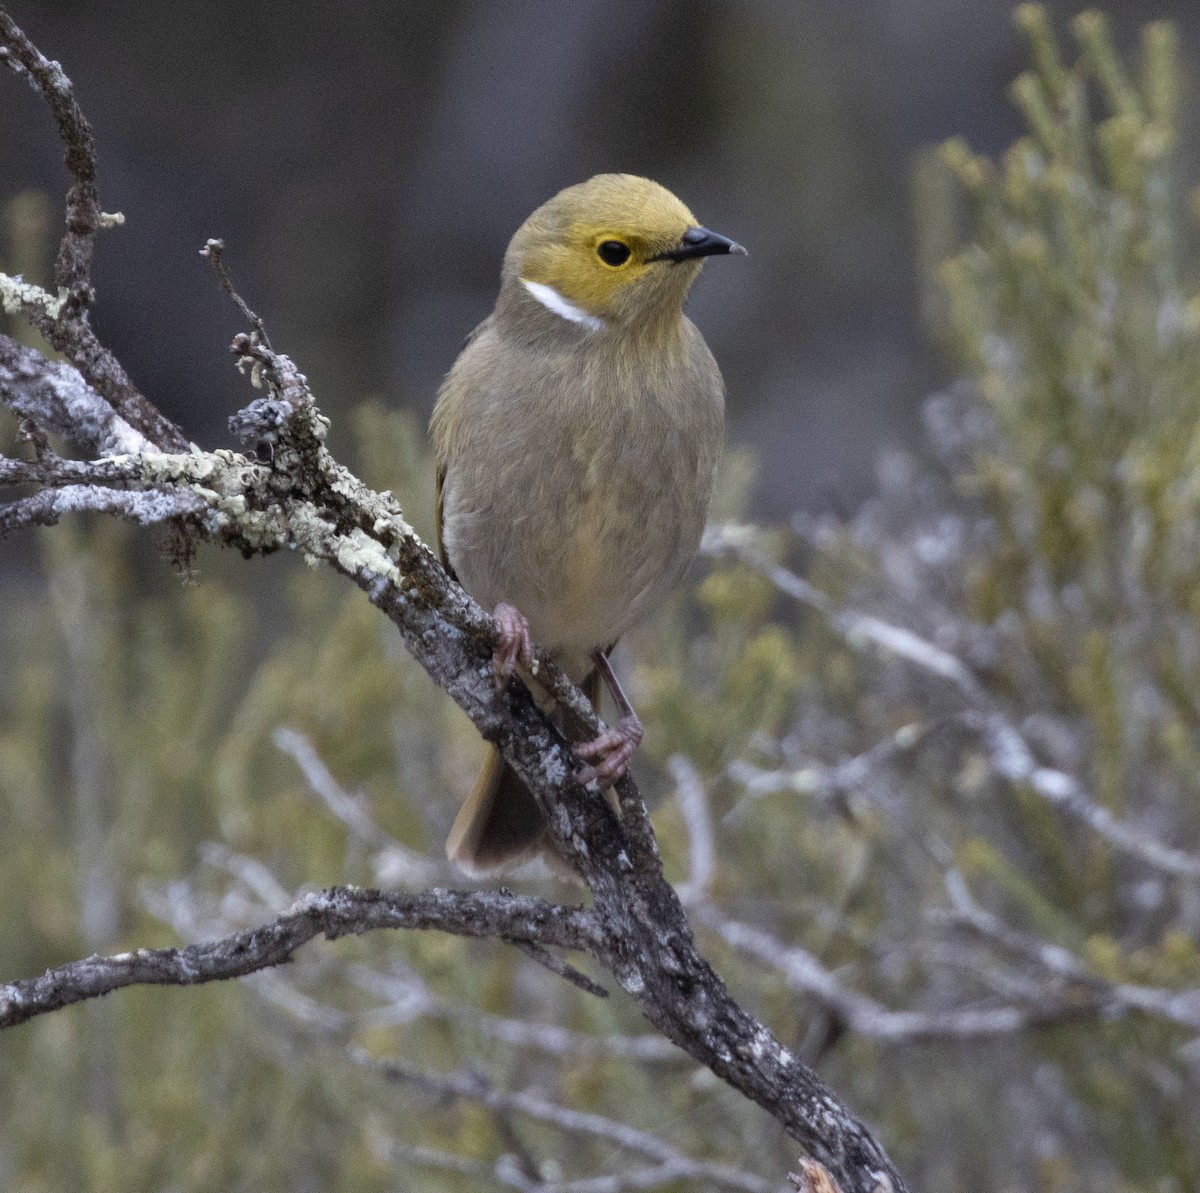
[(700, 242)]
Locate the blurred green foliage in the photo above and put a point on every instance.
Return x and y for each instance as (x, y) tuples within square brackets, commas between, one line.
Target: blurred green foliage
[(1050, 543)]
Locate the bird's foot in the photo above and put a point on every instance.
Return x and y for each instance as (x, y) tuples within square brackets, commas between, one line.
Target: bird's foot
[(611, 752), (514, 646)]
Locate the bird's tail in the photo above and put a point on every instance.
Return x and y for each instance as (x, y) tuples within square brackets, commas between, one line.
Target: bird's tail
[(500, 826)]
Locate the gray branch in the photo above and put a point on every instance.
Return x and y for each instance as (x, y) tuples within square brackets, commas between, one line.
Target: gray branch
[(56, 396), (1180, 1007), (1009, 753), (473, 1087), (1011, 757), (341, 911), (63, 319), (864, 1016), (403, 866), (48, 506)]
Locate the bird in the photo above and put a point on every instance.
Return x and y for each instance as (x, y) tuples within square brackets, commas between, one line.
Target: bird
[(577, 437)]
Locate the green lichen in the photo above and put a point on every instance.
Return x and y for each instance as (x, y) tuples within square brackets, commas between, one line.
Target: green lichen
[(17, 296)]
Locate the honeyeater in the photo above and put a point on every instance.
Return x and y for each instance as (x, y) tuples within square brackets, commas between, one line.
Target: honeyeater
[(577, 438)]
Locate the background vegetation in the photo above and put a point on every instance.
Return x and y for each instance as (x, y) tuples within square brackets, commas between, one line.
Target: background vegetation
[(948, 747)]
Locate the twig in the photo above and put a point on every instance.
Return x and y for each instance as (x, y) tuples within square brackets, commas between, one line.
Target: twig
[(855, 627), (73, 269), (473, 1087), (405, 995), (405, 864), (47, 507), (841, 781), (865, 1017), (213, 250), (1011, 757), (702, 853), (1181, 1007), (556, 965), (1010, 753), (560, 1041), (252, 875), (63, 320), (407, 998), (394, 1152)]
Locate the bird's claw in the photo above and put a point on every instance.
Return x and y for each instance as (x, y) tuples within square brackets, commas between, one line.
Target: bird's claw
[(613, 748), (514, 645)]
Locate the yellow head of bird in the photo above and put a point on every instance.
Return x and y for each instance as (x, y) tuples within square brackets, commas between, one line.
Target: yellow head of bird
[(617, 249)]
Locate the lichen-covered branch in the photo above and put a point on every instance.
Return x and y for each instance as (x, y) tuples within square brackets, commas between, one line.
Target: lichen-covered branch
[(48, 506), (62, 401), (334, 913)]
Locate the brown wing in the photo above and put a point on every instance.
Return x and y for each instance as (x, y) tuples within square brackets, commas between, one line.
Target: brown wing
[(441, 546), (441, 472)]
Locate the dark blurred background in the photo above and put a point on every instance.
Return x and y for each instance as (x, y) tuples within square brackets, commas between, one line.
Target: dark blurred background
[(366, 164)]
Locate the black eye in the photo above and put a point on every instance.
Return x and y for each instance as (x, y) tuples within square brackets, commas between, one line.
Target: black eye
[(613, 252)]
